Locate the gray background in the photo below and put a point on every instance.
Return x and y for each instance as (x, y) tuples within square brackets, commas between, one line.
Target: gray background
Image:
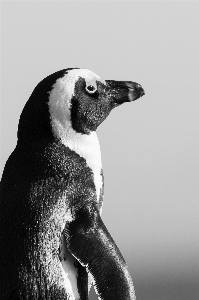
[(149, 147)]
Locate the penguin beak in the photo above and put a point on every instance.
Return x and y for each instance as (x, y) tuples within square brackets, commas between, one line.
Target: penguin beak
[(125, 91)]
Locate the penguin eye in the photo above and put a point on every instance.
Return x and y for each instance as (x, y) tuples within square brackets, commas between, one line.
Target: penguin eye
[(91, 89)]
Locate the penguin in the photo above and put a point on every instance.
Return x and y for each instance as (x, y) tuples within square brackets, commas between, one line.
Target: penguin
[(53, 242)]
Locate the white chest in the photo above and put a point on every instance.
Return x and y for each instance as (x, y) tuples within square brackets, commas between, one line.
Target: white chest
[(87, 146)]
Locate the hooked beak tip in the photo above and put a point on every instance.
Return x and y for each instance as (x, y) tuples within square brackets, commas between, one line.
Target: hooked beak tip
[(127, 91), (135, 92)]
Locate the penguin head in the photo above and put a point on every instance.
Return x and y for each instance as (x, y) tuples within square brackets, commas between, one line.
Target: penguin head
[(83, 100), (76, 99)]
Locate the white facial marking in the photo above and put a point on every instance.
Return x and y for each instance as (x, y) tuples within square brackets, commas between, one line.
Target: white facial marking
[(63, 91), (87, 146)]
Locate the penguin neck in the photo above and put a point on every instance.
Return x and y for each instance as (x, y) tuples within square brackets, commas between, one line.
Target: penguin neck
[(86, 145)]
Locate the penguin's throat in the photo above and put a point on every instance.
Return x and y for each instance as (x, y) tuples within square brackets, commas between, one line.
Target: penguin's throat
[(85, 145)]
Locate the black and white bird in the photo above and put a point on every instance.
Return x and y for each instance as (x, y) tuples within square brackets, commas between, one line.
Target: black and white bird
[(53, 242)]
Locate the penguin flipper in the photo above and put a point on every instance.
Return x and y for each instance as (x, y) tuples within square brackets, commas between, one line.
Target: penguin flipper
[(89, 241)]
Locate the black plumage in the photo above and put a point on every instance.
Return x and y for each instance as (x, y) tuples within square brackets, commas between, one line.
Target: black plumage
[(50, 199)]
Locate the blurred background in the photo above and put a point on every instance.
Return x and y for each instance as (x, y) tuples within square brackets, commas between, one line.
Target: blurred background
[(150, 148)]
